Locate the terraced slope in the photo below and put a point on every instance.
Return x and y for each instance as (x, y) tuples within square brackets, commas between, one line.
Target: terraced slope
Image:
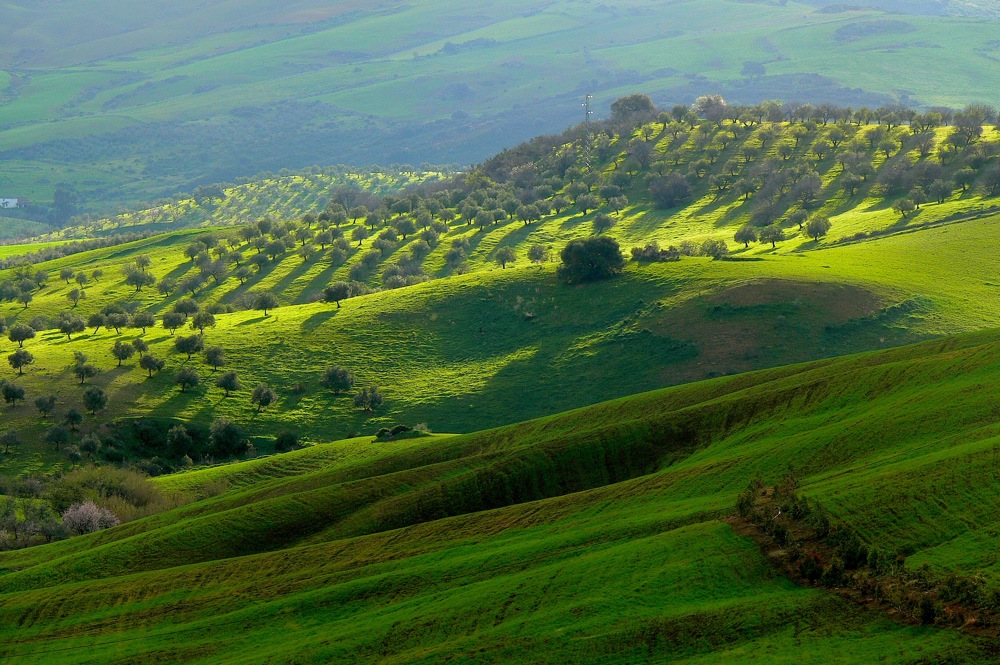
[(591, 536)]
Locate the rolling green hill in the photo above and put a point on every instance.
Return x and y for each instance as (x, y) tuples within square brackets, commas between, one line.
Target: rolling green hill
[(590, 536), (126, 109), (469, 344)]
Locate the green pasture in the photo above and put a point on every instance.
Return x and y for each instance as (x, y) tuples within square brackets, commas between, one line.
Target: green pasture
[(591, 536)]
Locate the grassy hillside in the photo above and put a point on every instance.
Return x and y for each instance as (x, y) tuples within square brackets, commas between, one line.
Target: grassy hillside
[(590, 536), (477, 345), (130, 109), (285, 196)]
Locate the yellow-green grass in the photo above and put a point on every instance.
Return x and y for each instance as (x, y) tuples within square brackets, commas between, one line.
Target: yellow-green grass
[(589, 536), (496, 346)]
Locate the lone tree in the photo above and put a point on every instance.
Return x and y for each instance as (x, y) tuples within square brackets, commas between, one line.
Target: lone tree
[(151, 364), (229, 382), (772, 234), (143, 320), (632, 107), (9, 439), (202, 320), (590, 259), (265, 301), (135, 276), (20, 359), (67, 274), (187, 378), (337, 379), (504, 256), (538, 253), (336, 292), (97, 321), (190, 345), (75, 296), (173, 320), (187, 307), (369, 399), (818, 226), (586, 203), (117, 320), (215, 356), (20, 333), (140, 346), (46, 405), (285, 441), (94, 400), (82, 368), (70, 323), (57, 436), (13, 393), (603, 222), (746, 235), (904, 206), (263, 396), (73, 419), (122, 351)]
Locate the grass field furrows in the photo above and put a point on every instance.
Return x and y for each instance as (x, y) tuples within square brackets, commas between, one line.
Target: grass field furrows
[(625, 567)]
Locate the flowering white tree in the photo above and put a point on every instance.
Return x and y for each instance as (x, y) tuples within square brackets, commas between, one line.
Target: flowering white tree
[(81, 518)]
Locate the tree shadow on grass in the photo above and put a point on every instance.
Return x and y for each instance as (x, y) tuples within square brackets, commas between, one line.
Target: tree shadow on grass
[(258, 275), (317, 284), (316, 320), (250, 322), (288, 279)]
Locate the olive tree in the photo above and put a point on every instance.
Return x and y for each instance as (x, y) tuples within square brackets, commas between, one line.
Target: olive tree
[(143, 320), (337, 379), (94, 399), (20, 333), (202, 320), (265, 301), (45, 405), (151, 364), (504, 256), (20, 359), (336, 292), (215, 356), (818, 227), (229, 382), (190, 345), (187, 378), (173, 320), (122, 351), (263, 396)]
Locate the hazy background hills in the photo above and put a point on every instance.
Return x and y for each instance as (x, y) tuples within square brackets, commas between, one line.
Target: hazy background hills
[(122, 105)]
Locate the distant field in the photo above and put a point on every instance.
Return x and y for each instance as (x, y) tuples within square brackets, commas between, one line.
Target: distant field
[(12, 228), (147, 109)]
